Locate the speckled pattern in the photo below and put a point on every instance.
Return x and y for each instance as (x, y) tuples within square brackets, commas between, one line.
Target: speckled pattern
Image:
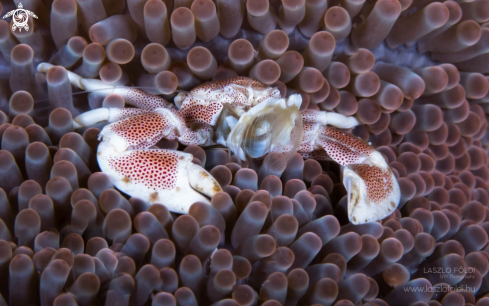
[(340, 146), (208, 87), (152, 168), (142, 99), (378, 181), (201, 113), (239, 92), (142, 131), (341, 153), (123, 113), (347, 140)]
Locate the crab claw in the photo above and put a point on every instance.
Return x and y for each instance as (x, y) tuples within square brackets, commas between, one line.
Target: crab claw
[(157, 176), (373, 192)]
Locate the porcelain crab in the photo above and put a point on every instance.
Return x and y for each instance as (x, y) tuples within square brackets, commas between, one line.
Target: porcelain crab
[(249, 118)]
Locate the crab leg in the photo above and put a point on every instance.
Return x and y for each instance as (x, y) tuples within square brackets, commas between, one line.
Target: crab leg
[(140, 128), (132, 96), (373, 191), (338, 120), (106, 114)]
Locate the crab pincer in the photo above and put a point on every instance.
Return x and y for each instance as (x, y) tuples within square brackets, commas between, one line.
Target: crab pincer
[(158, 176), (372, 189), (153, 175), (126, 155)]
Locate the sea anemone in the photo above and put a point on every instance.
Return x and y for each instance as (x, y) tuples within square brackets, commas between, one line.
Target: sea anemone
[(414, 74)]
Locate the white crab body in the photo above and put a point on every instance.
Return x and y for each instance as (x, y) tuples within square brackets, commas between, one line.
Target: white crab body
[(249, 118)]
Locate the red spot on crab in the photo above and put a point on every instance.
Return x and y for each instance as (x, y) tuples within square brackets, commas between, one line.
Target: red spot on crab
[(378, 181), (162, 165)]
